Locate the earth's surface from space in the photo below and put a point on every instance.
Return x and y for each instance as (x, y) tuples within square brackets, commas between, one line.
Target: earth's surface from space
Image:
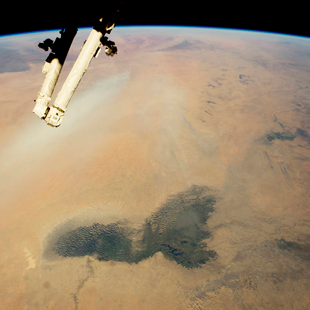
[(179, 179)]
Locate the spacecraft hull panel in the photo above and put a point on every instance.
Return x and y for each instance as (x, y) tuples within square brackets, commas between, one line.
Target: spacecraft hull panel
[(88, 51), (63, 98)]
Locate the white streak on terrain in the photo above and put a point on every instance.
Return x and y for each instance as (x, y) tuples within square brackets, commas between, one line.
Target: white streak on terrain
[(38, 146), (31, 261)]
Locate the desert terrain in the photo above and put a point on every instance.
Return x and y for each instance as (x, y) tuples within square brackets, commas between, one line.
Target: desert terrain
[(179, 178)]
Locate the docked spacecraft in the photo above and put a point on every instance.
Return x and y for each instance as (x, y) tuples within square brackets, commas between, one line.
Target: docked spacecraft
[(97, 39)]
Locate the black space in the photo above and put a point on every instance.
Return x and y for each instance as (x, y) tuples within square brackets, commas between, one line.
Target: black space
[(289, 18)]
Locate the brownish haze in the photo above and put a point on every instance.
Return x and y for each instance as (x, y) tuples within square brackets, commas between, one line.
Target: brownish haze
[(180, 116)]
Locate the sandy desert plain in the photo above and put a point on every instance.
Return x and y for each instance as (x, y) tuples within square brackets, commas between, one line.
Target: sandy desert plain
[(179, 178)]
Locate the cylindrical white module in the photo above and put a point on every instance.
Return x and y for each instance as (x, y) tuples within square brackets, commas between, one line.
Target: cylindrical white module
[(52, 71), (52, 68), (59, 107)]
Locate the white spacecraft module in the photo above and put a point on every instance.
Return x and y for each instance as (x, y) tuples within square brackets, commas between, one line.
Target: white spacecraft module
[(52, 68)]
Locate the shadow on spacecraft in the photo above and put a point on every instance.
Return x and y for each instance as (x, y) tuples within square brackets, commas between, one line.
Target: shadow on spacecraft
[(53, 115)]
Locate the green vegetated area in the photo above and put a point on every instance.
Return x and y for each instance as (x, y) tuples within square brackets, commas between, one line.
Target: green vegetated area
[(108, 242), (283, 136), (178, 230), (296, 248), (302, 133)]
